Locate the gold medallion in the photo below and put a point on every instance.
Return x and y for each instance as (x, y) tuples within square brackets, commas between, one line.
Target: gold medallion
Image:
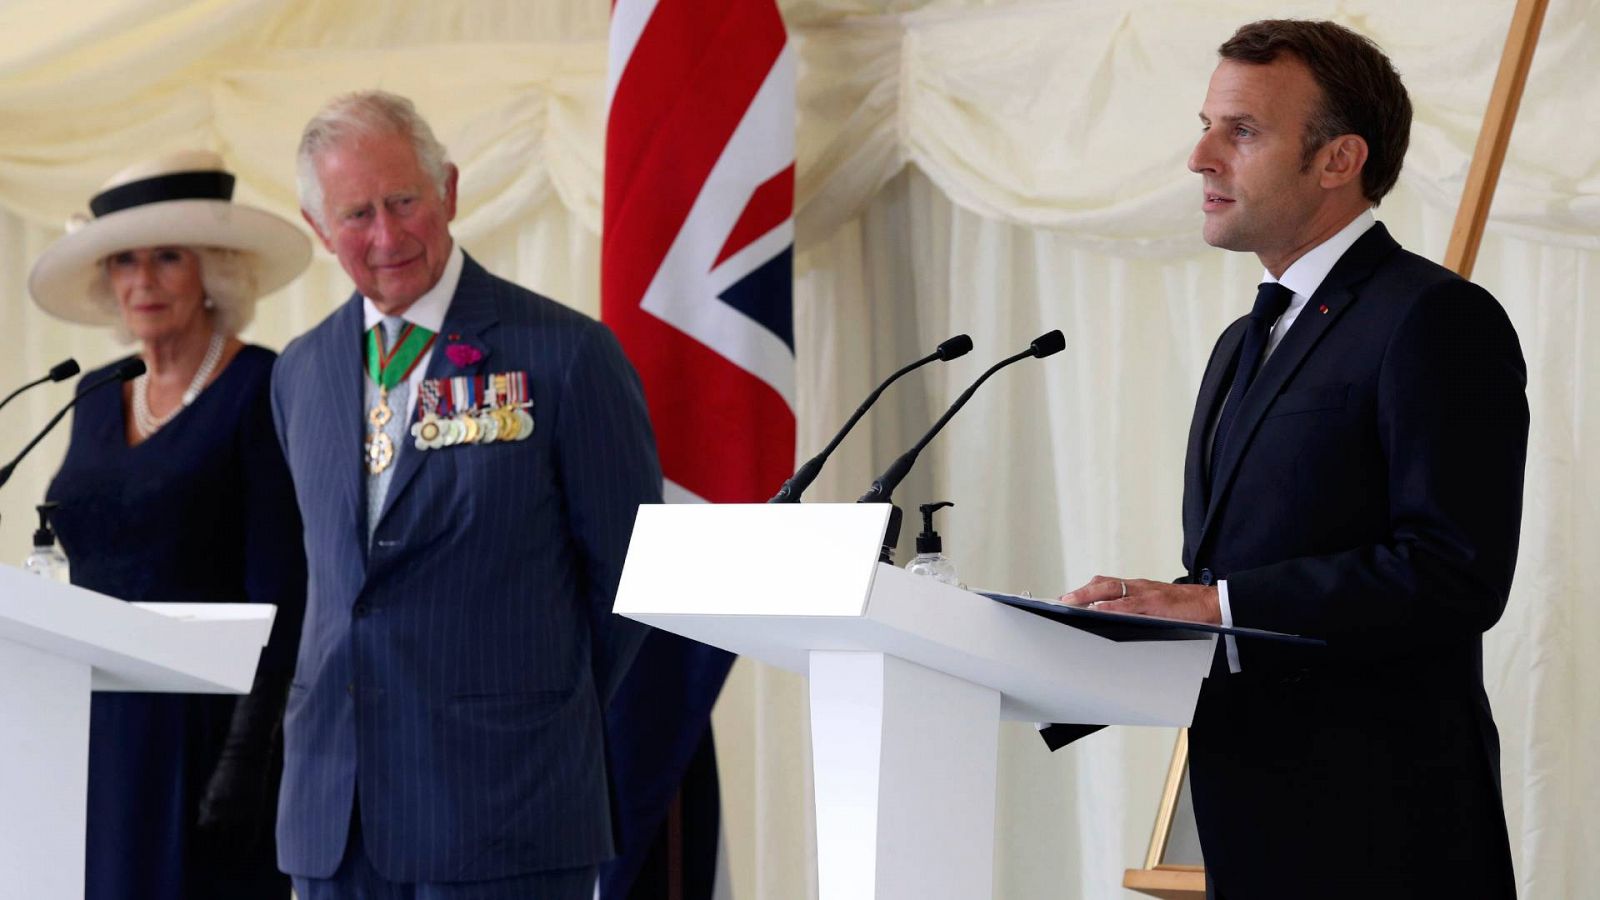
[(508, 424), (380, 415), (427, 432), (379, 452), (488, 428)]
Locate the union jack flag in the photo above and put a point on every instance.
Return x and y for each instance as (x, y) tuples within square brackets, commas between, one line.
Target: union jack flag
[(696, 280)]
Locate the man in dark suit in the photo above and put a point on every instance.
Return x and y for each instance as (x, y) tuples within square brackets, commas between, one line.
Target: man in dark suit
[(468, 458), (1354, 474)]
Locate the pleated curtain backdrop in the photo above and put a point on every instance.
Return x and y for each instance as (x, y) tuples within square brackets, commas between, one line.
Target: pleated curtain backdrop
[(993, 167)]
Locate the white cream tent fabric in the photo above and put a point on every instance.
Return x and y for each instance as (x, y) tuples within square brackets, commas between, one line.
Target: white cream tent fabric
[(999, 168)]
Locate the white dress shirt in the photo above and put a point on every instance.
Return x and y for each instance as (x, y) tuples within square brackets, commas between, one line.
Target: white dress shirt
[(1303, 277)]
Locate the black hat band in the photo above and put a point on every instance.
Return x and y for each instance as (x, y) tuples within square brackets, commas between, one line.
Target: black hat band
[(204, 185)]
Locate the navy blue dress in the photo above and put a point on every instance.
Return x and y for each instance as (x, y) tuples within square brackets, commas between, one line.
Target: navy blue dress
[(183, 788)]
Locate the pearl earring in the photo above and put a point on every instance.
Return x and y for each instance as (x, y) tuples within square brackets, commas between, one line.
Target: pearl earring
[(209, 303)]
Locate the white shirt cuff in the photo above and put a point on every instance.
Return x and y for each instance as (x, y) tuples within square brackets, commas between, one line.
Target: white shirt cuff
[(1227, 620)]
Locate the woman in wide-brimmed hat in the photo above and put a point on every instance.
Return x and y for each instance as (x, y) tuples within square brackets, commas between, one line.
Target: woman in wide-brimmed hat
[(175, 490)]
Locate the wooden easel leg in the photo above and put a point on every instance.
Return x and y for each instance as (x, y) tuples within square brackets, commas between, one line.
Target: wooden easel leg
[(1494, 137)]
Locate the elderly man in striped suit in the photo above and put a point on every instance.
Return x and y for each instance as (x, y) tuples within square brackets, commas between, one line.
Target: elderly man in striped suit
[(468, 457)]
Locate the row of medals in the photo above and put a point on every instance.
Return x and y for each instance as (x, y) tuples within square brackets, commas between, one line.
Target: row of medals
[(502, 423), (495, 422)]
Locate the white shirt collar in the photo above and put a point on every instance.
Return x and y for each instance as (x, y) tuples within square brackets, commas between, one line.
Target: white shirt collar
[(1307, 273), (429, 310)]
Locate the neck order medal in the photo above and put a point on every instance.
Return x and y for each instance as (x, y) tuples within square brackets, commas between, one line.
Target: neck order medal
[(388, 367)]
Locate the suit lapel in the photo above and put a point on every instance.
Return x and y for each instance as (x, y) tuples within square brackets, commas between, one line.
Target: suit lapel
[(346, 386), (471, 314), (1337, 293), (1213, 387)]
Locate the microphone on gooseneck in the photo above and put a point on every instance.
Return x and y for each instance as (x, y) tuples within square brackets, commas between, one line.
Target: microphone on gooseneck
[(882, 490), (127, 371), (807, 473), (61, 371)]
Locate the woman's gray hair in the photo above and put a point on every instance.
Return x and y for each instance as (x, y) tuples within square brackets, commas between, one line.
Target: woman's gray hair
[(364, 114), (230, 279)]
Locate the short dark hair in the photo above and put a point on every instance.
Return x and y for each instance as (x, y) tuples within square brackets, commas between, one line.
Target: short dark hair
[(1361, 92)]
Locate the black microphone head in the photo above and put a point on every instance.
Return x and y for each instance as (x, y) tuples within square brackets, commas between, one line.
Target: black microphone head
[(63, 370), (130, 370), (1046, 344), (960, 345)]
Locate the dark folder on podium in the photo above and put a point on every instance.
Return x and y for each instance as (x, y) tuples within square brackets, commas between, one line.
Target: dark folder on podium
[(1128, 627)]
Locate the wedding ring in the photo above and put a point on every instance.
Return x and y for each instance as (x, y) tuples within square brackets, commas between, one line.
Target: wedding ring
[(1124, 589)]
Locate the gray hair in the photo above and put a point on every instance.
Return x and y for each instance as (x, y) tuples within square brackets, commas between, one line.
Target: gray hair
[(364, 114), (230, 279)]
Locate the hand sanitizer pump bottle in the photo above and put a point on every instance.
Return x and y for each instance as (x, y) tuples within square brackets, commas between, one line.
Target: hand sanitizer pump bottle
[(46, 558), (930, 559)]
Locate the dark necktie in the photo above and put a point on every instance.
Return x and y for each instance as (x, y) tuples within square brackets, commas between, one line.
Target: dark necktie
[(1272, 299)]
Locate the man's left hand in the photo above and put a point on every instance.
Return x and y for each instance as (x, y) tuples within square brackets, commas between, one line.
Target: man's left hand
[(1189, 602)]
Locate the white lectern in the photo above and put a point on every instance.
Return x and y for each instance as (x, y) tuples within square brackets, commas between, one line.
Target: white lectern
[(909, 678), (58, 643)]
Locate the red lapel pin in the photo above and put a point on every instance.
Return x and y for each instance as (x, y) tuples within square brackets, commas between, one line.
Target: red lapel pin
[(1323, 309)]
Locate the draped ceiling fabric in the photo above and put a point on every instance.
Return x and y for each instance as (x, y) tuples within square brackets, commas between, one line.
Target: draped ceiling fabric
[(1000, 168)]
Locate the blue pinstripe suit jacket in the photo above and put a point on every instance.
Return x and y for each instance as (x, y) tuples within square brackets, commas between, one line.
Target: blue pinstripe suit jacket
[(452, 677)]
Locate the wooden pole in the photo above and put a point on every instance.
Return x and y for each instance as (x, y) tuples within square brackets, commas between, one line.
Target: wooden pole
[(1495, 135)]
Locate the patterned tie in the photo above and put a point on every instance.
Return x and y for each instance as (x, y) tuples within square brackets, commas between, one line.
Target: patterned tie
[(395, 427), (1272, 299)]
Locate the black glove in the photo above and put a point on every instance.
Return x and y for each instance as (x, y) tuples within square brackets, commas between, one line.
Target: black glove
[(236, 809), (236, 805)]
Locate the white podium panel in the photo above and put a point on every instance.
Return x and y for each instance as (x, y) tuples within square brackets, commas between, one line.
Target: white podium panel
[(57, 643), (44, 765), (909, 678), (905, 761)]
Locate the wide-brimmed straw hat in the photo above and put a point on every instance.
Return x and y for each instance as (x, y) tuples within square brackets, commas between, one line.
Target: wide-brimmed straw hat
[(177, 200)]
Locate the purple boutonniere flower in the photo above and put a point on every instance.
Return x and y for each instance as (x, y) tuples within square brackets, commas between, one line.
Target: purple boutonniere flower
[(463, 355)]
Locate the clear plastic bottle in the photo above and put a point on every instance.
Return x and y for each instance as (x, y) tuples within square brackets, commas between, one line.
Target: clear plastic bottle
[(47, 559), (930, 559)]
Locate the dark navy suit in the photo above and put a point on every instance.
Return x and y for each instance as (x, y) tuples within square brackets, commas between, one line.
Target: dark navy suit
[(452, 677), (1370, 494)]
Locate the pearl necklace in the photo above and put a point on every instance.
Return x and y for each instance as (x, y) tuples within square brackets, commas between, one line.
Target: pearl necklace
[(147, 424)]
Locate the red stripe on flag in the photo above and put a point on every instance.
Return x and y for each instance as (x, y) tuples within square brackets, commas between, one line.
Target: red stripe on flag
[(668, 126), (771, 205), (722, 433), (671, 55)]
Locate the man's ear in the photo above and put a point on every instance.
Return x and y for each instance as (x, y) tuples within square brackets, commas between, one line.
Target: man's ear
[(452, 175), (1346, 155), (317, 230)]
